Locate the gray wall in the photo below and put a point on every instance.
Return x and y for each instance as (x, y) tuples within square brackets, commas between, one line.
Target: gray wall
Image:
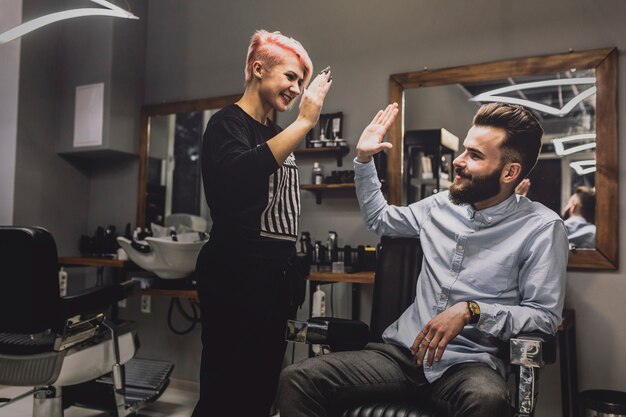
[(9, 81), (365, 42), (49, 191), (72, 194)]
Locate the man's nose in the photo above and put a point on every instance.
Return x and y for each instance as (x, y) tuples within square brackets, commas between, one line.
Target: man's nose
[(459, 161)]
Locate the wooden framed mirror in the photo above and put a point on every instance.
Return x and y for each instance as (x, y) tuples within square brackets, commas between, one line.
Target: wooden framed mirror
[(599, 65), (169, 163)]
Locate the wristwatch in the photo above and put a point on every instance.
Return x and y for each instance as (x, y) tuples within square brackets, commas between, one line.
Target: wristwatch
[(474, 311)]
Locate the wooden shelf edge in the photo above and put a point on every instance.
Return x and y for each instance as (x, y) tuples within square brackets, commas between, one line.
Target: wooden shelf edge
[(366, 277), (84, 261), (319, 187), (317, 151), (192, 294)]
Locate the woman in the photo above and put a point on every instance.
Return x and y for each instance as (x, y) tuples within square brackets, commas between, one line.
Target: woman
[(252, 188)]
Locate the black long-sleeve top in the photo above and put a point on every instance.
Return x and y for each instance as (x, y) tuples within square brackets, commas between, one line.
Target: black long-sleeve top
[(254, 202)]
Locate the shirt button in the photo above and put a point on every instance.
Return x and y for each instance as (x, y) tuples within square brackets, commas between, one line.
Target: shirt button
[(460, 247), (489, 218)]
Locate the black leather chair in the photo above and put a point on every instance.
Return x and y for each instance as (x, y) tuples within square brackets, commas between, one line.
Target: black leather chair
[(52, 343), (398, 266)]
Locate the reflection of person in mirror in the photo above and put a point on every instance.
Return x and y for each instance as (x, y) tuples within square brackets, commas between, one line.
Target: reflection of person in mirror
[(494, 266), (252, 189), (580, 216)]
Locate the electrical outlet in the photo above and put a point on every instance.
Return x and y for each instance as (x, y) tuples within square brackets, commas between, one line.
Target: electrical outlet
[(62, 283), (122, 303), (146, 304)]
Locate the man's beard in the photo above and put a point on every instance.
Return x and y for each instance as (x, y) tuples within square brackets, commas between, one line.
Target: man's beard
[(478, 188)]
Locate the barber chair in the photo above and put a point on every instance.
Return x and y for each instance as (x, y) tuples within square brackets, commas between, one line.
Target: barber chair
[(398, 267), (65, 345)]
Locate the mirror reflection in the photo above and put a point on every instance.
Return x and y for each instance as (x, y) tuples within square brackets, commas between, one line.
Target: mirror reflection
[(170, 181), (173, 182), (579, 114), (565, 105)]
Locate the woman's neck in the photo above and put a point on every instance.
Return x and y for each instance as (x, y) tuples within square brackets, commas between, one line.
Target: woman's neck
[(252, 104)]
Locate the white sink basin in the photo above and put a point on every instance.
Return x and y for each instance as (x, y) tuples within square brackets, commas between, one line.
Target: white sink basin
[(166, 258)]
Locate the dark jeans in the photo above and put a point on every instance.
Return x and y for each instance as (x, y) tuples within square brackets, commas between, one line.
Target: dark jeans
[(245, 304), (381, 372)]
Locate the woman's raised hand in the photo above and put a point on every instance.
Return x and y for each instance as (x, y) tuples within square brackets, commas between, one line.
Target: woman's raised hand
[(313, 97)]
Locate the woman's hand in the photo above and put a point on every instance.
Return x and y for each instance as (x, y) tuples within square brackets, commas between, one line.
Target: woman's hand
[(371, 141), (313, 97)]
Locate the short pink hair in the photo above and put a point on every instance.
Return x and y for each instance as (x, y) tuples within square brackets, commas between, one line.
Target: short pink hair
[(270, 48)]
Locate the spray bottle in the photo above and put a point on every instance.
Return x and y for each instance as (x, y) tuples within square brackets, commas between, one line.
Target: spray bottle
[(319, 310)]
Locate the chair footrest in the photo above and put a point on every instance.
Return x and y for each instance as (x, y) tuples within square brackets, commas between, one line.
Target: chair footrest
[(145, 381)]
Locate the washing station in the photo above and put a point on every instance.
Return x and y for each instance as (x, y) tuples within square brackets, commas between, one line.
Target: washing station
[(172, 250)]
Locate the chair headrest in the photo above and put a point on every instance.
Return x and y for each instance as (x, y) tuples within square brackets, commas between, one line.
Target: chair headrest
[(29, 283)]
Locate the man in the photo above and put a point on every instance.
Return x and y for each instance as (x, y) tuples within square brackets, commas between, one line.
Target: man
[(494, 266), (579, 215)]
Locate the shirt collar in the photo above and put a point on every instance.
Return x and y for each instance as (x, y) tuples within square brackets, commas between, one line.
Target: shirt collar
[(494, 213)]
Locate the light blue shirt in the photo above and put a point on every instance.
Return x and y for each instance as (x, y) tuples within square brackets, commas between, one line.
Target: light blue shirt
[(510, 258), (580, 233)]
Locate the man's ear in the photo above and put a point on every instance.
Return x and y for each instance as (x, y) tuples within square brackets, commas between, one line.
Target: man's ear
[(257, 69), (511, 172)]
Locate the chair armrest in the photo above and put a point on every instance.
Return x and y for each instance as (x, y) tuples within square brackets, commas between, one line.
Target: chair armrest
[(532, 349), (339, 334), (96, 299)]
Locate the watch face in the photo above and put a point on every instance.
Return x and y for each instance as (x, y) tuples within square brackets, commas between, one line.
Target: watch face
[(474, 310)]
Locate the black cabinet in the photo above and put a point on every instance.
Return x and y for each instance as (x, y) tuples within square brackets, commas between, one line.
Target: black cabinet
[(428, 156)]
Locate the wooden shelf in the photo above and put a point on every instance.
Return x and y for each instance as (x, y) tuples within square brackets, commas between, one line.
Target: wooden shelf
[(98, 262), (192, 294), (338, 151), (366, 277), (319, 188)]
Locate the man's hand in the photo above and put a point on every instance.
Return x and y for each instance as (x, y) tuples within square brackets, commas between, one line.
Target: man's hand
[(435, 336), (523, 187), (371, 141)]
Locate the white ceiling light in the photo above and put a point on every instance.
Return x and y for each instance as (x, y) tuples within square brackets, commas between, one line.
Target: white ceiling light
[(492, 96), (584, 167), (24, 28), (559, 143)]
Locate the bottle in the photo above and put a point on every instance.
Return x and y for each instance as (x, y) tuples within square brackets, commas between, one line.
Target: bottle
[(319, 303), (318, 310), (305, 243), (333, 254), (318, 176)]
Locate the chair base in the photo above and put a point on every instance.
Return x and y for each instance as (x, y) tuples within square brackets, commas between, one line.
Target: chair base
[(48, 401)]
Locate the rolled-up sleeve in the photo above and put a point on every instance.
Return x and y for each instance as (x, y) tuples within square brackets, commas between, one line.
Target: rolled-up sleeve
[(380, 217), (542, 279)]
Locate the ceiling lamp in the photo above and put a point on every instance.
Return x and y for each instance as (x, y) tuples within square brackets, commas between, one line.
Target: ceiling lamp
[(24, 28), (584, 167), (559, 143), (492, 96)]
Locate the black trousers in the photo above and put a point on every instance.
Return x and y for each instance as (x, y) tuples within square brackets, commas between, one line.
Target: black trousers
[(321, 386), (244, 303)]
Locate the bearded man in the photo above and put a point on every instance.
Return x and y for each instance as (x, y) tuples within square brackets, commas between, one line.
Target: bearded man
[(494, 266)]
